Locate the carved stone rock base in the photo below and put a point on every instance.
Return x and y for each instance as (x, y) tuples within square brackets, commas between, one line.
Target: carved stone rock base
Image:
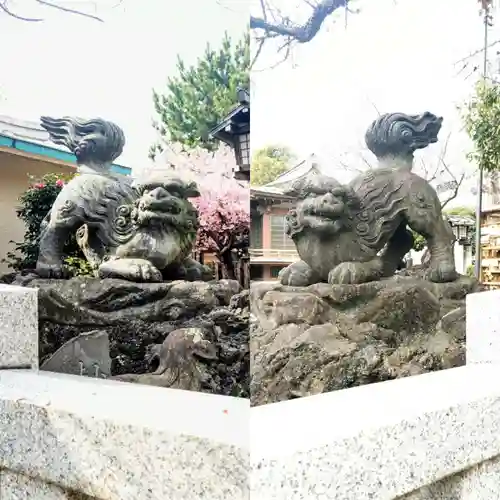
[(321, 338), (179, 334)]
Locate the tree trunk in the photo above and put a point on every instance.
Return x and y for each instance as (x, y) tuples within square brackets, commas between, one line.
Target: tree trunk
[(227, 263)]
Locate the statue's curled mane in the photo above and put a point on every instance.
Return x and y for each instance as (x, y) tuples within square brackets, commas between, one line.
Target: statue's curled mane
[(369, 217), (107, 210), (114, 212), (379, 207)]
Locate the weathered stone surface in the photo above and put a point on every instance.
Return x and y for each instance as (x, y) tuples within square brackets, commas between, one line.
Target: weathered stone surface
[(393, 308), (87, 354), (289, 307), (176, 361), (139, 319), (14, 486), (349, 335), (91, 301)]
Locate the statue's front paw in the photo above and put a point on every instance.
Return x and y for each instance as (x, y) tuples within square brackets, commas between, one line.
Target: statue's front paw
[(297, 274), (353, 273), (346, 273), (139, 270), (441, 272), (51, 271)]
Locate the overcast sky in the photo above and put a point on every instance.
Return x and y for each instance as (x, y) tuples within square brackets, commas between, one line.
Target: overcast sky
[(395, 55), (68, 65)]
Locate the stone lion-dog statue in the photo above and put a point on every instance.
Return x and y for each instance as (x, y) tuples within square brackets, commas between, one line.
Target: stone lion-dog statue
[(355, 233), (137, 231)]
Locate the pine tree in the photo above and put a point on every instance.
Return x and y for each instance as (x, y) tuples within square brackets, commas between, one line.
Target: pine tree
[(199, 97)]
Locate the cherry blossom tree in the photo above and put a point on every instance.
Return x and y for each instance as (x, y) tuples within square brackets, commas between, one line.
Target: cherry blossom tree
[(224, 204), (224, 228)]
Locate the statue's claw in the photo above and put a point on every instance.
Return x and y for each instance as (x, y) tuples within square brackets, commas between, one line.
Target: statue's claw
[(51, 271), (441, 272)]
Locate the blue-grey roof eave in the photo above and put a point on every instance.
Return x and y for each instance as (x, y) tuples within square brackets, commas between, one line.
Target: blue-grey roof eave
[(50, 152)]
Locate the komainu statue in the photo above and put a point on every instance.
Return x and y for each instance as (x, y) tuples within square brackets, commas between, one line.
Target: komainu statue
[(355, 233), (138, 231)]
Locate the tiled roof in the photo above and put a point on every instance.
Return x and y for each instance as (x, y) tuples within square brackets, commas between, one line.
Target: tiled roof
[(308, 166), (461, 220), (26, 131)]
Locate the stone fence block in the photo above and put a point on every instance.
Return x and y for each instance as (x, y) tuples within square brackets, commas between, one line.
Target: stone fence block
[(483, 327), (18, 326), (118, 441), (384, 440)]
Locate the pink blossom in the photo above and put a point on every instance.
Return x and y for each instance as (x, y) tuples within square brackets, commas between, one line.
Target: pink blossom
[(39, 185), (224, 221), (59, 183)]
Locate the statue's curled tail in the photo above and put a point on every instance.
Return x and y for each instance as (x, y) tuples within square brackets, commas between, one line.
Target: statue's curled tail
[(398, 134), (96, 142)]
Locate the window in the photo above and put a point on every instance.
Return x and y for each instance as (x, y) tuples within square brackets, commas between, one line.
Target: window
[(256, 231), (279, 239), (462, 232), (244, 141)]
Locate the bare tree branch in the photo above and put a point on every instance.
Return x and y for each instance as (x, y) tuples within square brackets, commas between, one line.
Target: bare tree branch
[(477, 52), (454, 194), (5, 8), (261, 43), (224, 6), (263, 8), (375, 107), (300, 33), (366, 162), (465, 62), (443, 168), (286, 47), (70, 11)]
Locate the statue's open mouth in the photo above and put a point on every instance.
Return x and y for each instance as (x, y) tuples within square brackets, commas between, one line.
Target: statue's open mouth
[(151, 219), (161, 206), (325, 211), (323, 224), (434, 129)]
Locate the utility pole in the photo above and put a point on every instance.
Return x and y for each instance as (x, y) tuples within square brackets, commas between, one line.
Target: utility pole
[(486, 21)]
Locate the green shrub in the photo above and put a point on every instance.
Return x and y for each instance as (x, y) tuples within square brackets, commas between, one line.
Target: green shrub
[(34, 204), (78, 266), (419, 242)]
